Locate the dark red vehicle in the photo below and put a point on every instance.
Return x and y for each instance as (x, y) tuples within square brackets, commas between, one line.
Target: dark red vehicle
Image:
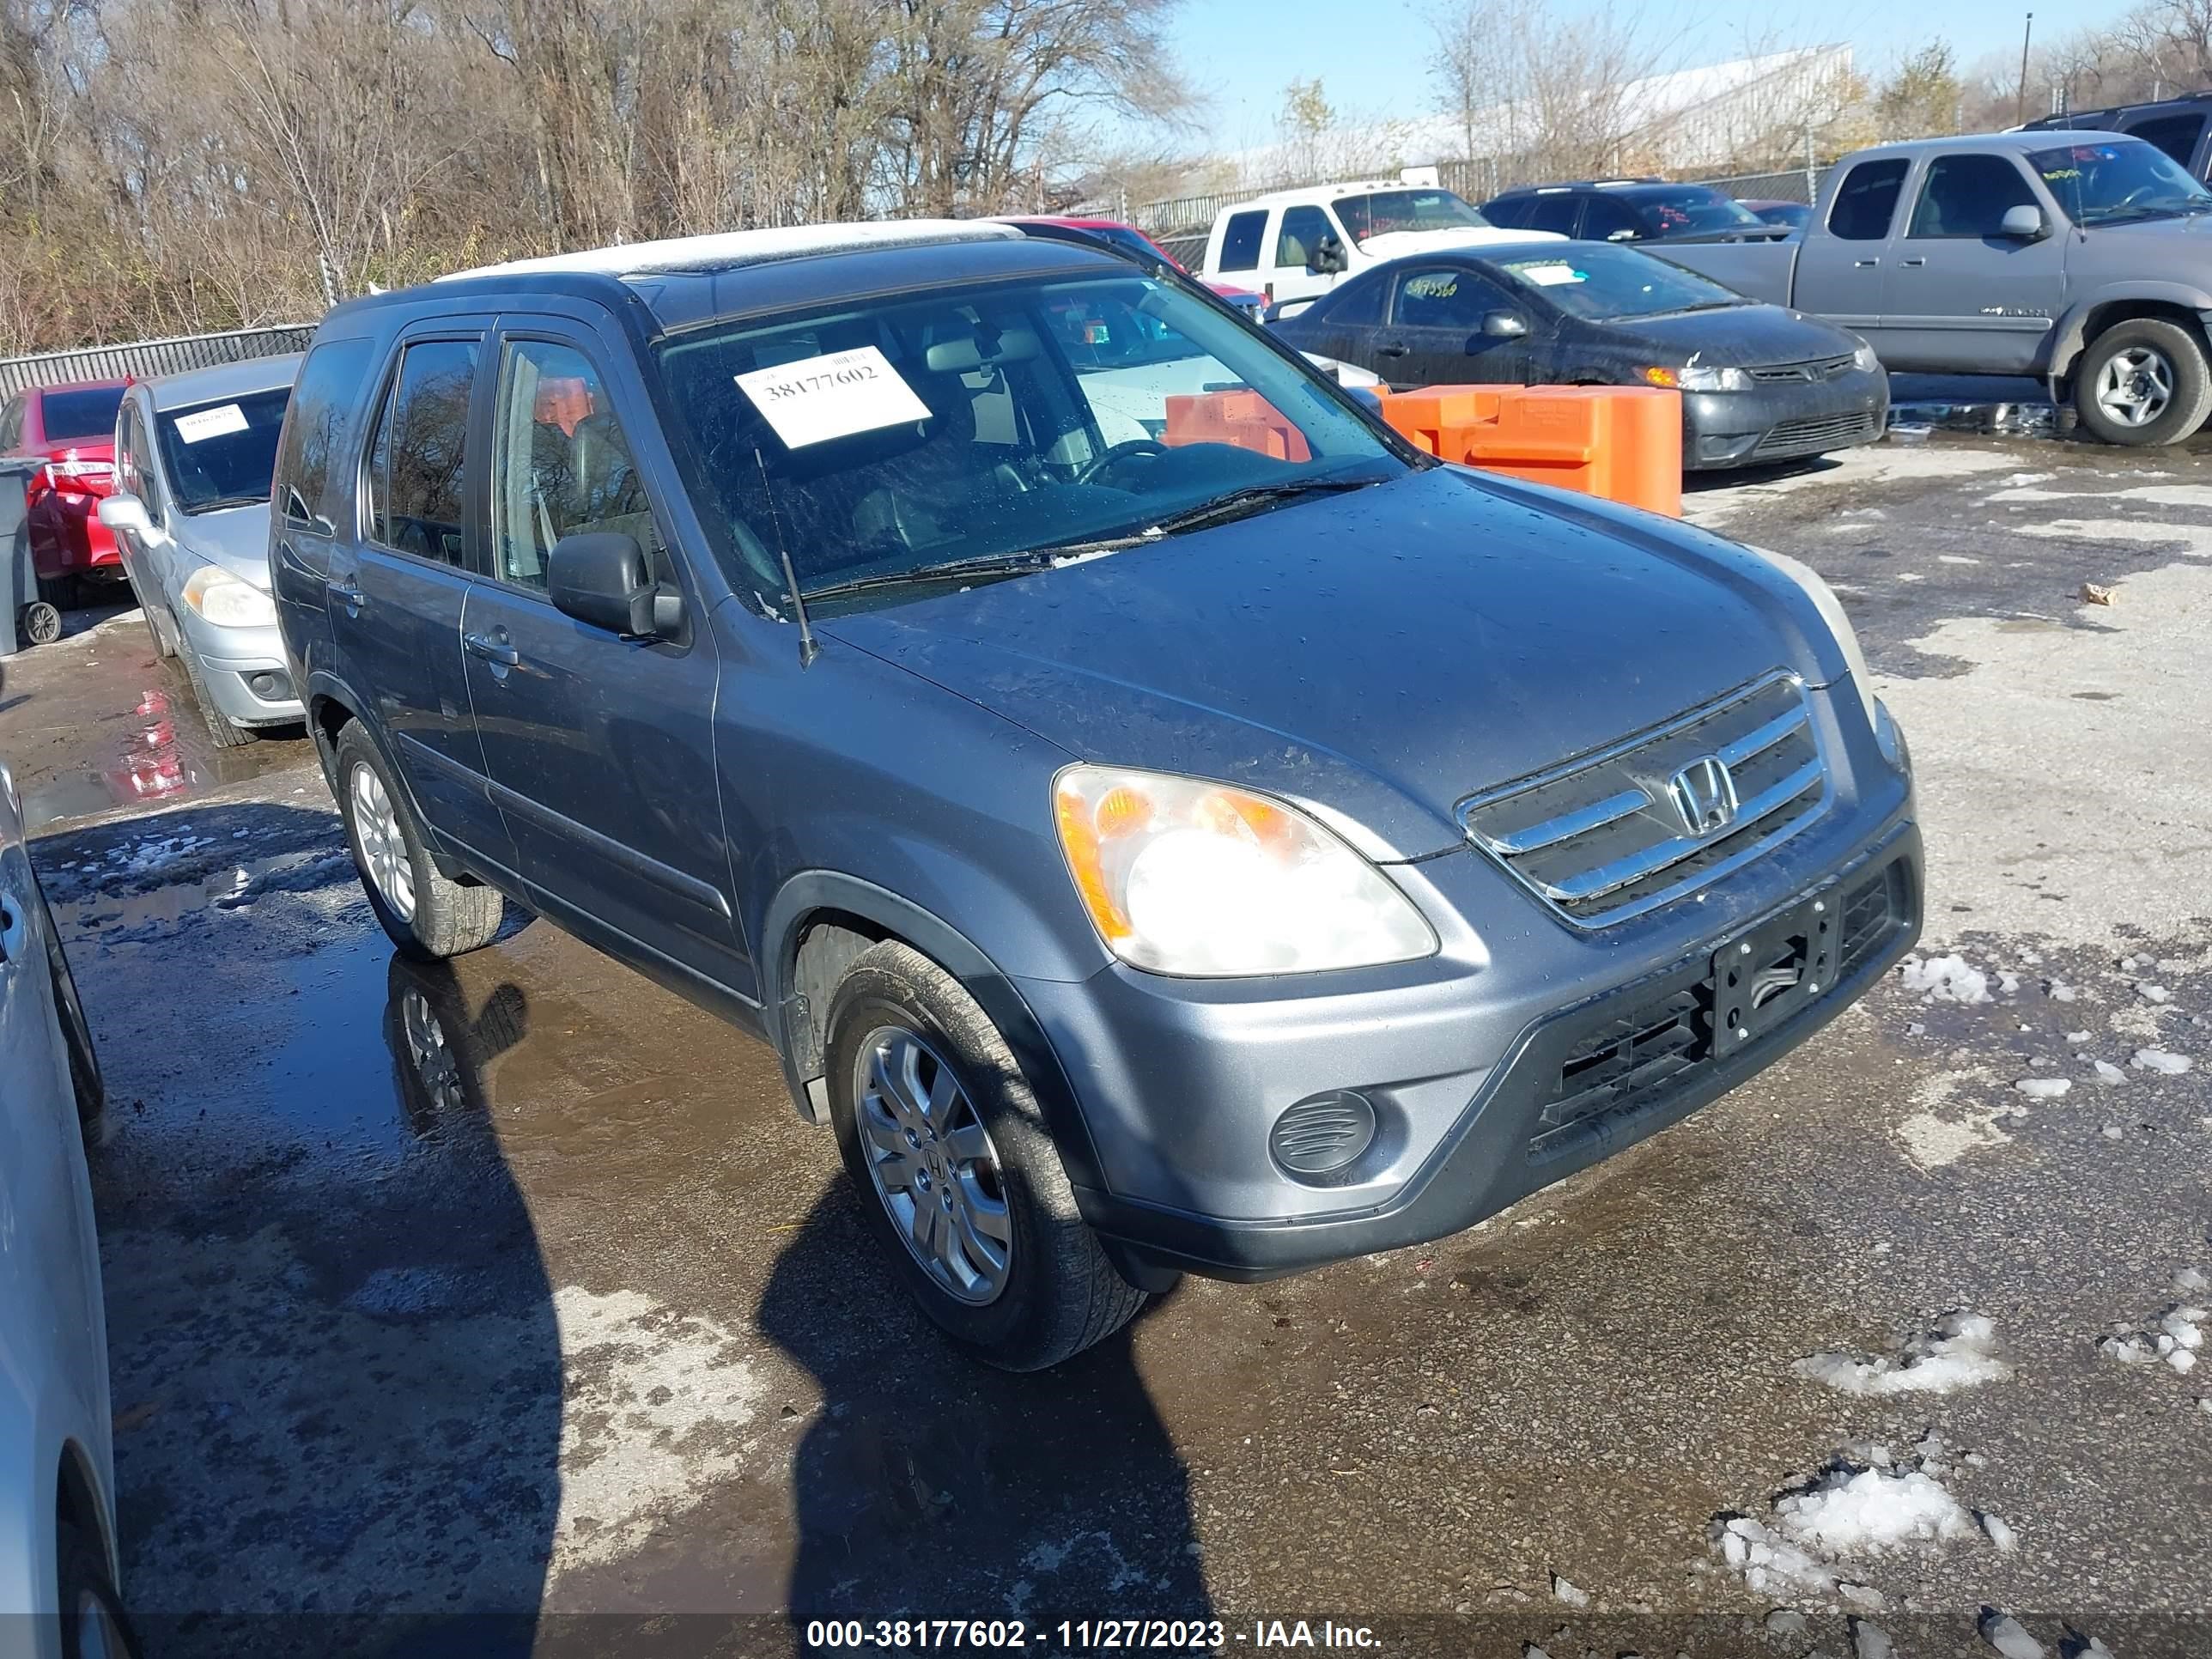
[(70, 430), (1135, 241)]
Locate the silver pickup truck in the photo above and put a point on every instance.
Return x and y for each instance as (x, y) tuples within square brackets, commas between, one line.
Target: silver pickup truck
[(2082, 258)]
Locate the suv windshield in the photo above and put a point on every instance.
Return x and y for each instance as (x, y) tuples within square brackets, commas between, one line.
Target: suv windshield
[(1405, 210), (1599, 282), (1688, 211), (2126, 178), (876, 441), (222, 454)]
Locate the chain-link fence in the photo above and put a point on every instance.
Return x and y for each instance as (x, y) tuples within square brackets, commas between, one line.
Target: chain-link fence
[(143, 359)]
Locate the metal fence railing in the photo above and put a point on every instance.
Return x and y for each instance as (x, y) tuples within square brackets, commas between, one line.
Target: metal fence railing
[(143, 359)]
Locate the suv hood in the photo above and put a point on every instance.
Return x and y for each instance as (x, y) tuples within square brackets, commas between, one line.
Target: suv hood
[(235, 538), (1377, 655), (1397, 243)]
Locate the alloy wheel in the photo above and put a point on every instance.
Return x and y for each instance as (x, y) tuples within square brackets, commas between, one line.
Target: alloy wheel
[(2134, 386), (383, 848), (436, 1066), (932, 1165)]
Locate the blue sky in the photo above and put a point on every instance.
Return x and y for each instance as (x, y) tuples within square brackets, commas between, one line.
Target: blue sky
[(1372, 56)]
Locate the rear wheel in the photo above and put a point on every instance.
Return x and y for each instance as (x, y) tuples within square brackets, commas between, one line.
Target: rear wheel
[(93, 1625), (42, 623), (957, 1174), (427, 915), (2143, 383), (227, 732), (85, 1080)]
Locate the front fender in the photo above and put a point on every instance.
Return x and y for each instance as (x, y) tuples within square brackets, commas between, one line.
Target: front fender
[(812, 892), (2072, 329)]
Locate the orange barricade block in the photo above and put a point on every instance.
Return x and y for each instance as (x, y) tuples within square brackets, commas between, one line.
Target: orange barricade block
[(1243, 418), (1622, 442)]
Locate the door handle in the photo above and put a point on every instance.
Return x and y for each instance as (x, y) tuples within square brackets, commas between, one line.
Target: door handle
[(1913, 262), (1866, 264), (14, 927), (1393, 349), (498, 652), (347, 591)]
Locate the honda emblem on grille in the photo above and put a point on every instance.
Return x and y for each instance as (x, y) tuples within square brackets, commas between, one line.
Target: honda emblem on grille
[(1704, 795)]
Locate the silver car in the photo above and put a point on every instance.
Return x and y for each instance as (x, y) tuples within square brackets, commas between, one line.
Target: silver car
[(58, 1550), (193, 455)]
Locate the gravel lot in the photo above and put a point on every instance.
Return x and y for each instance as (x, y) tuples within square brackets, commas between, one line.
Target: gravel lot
[(515, 1289)]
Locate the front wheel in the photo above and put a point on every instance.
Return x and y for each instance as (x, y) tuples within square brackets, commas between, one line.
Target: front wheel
[(222, 730), (94, 1625), (2143, 383), (429, 916), (958, 1175)]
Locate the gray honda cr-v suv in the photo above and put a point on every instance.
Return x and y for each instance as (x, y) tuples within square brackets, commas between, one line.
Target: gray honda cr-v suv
[(1161, 821)]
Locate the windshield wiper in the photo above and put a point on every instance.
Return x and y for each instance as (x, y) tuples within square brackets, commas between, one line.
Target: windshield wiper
[(222, 502), (1250, 498), (995, 564)]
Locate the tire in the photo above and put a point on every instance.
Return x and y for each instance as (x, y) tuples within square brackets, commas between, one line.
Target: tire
[(2142, 384), (42, 623), (93, 1624), (427, 916), (164, 638), (1054, 1293), (59, 592), (224, 732)]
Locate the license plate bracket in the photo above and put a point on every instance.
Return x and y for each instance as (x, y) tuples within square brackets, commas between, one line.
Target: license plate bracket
[(1763, 978)]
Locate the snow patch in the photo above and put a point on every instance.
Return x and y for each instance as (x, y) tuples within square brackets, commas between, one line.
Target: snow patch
[(1960, 1353), (2043, 1088), (1945, 978), (2003, 1631), (1864, 1504), (2158, 1060), (2175, 1336)]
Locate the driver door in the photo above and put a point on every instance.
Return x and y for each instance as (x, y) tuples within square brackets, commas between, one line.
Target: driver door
[(1299, 234), (1435, 335), (1962, 295)]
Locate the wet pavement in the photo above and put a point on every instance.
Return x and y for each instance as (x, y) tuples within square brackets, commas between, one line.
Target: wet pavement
[(507, 1307)]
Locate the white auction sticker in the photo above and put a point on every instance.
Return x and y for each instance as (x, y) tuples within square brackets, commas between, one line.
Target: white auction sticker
[(1549, 276), (834, 396), (204, 423)]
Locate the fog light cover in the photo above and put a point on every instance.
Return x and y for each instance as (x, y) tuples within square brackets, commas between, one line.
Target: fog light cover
[(1322, 1133)]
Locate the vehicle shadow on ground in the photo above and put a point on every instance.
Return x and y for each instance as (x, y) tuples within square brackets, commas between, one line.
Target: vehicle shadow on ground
[(336, 1358), (932, 1487)]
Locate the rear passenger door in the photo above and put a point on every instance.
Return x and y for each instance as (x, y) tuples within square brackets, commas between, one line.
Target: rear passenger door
[(600, 748), (1842, 274), (397, 593)]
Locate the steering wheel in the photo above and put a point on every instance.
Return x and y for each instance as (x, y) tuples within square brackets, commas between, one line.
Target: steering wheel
[(1088, 473), (2137, 194)]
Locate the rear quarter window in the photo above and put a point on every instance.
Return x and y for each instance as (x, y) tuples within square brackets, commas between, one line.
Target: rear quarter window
[(1866, 201), (329, 388), (84, 416)]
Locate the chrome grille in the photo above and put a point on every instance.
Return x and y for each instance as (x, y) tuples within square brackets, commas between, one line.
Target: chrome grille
[(1609, 836), (1824, 368)]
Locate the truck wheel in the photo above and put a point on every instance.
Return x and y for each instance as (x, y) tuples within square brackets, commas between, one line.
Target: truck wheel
[(426, 915), (226, 732), (958, 1175), (2143, 383)]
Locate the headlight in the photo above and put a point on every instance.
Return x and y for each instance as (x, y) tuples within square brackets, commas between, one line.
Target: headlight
[(1831, 612), (1181, 876), (1700, 377), (226, 601), (1864, 357)]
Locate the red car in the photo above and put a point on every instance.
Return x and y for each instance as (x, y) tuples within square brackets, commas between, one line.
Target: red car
[(71, 428), (1135, 241)]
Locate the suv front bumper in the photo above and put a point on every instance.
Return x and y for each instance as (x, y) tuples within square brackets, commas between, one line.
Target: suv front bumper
[(1564, 1047)]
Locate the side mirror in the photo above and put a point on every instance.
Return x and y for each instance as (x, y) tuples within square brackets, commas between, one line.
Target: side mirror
[(1503, 326), (123, 511), (2023, 223), (602, 578), (1327, 257)]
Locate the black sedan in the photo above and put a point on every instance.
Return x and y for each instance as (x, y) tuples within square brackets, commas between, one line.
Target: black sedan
[(1759, 383)]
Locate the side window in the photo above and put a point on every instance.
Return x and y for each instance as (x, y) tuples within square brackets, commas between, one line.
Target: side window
[(1966, 195), (1240, 242), (560, 462), (1445, 296), (330, 385), (1867, 200), (136, 466), (11, 425), (1608, 219), (2177, 135), (1358, 304), (1304, 229), (1556, 212), (1509, 212), (416, 468)]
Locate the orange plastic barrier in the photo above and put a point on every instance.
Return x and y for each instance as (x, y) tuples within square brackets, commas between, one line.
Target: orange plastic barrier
[(1623, 442), (1243, 418)]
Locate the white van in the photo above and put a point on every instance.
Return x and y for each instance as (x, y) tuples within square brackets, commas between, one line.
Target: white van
[(1298, 243)]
